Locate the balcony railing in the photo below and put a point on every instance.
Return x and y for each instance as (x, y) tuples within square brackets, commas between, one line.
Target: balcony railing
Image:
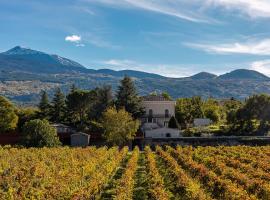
[(157, 116)]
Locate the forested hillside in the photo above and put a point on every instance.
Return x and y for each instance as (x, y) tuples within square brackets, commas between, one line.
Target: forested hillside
[(24, 73)]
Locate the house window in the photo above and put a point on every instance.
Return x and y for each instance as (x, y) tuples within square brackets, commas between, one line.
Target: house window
[(166, 124), (150, 116), (166, 113)]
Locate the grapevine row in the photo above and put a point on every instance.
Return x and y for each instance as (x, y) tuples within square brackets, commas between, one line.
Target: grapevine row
[(191, 189), (219, 188), (126, 183), (157, 188)]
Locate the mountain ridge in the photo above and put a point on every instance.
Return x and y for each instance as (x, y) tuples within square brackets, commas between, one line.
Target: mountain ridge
[(238, 73), (25, 72)]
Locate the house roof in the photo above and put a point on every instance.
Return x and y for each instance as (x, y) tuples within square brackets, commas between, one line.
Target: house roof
[(155, 98), (60, 125)]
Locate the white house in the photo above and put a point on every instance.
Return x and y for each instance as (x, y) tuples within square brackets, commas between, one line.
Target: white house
[(158, 111)]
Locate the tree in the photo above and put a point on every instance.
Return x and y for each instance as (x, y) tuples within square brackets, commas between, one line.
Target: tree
[(256, 107), (44, 106), (104, 99), (173, 123), (39, 133), (78, 105), (73, 88), (231, 108), (187, 109), (8, 116), (197, 107), (119, 126), (166, 95), (25, 115), (58, 106), (183, 112), (128, 98), (212, 110)]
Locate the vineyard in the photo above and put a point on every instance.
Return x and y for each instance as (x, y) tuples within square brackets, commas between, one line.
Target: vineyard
[(200, 173)]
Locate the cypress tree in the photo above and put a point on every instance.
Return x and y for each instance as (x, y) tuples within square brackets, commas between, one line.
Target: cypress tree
[(44, 106), (103, 99), (127, 98), (58, 106)]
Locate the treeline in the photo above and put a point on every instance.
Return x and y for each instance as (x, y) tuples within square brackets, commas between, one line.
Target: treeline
[(82, 108), (116, 116), (229, 117), (85, 110)]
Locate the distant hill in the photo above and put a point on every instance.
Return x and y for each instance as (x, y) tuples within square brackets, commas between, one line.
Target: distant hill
[(244, 74), (203, 76), (25, 72), (131, 73)]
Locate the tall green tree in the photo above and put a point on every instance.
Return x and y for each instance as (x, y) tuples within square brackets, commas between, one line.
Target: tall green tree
[(119, 126), (103, 100), (78, 106), (8, 116), (197, 107), (44, 106), (128, 98), (58, 107)]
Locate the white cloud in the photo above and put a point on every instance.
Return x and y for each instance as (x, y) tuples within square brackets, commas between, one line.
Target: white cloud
[(252, 8), (73, 38), (182, 9), (194, 10), (254, 47), (262, 66)]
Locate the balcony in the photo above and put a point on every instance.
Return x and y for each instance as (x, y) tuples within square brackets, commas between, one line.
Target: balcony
[(157, 116)]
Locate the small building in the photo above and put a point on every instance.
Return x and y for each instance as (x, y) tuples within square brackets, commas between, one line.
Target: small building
[(158, 112), (63, 132), (79, 139), (200, 122), (62, 128)]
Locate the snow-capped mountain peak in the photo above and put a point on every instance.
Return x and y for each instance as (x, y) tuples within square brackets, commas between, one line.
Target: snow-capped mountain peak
[(18, 50)]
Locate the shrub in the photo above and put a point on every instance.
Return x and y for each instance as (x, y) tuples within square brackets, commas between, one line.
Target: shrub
[(39, 133), (173, 123), (8, 116)]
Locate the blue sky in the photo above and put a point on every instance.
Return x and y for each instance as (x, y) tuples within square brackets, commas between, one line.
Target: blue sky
[(174, 38)]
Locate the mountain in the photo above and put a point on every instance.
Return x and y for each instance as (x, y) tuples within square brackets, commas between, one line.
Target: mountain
[(25, 72), (244, 74), (132, 73), (203, 76), (25, 59)]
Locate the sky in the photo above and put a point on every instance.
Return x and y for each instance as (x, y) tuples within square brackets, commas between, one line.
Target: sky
[(174, 38)]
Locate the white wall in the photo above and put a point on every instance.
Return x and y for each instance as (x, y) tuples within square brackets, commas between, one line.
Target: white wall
[(162, 133), (159, 107)]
